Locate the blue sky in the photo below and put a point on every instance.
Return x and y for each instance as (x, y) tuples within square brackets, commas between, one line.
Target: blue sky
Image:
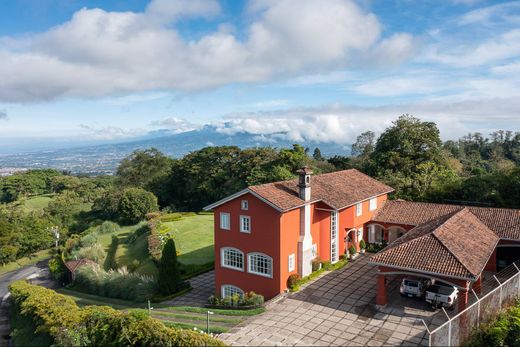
[(78, 71)]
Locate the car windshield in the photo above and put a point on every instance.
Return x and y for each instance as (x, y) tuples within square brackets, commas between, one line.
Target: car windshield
[(411, 283)]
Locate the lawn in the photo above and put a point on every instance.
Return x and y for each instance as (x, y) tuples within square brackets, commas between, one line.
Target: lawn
[(193, 236), (183, 317), (37, 202)]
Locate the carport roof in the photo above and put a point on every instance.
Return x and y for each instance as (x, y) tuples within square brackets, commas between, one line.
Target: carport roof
[(504, 222), (456, 245)]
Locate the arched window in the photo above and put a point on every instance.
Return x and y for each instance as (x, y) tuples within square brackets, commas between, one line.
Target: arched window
[(232, 258), (230, 290), (375, 233), (260, 264)]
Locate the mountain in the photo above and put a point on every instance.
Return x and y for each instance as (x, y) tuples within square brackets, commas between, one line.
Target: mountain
[(104, 158)]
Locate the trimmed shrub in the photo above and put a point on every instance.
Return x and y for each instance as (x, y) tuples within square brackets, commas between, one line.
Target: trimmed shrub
[(362, 244), (233, 301), (169, 274), (352, 250), (293, 280), (316, 264), (40, 316)]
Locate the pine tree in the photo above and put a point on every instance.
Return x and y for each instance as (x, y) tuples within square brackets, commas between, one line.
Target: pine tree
[(317, 154), (169, 274)]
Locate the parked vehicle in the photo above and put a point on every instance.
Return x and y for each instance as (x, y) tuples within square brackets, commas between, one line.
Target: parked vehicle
[(441, 294), (414, 287)]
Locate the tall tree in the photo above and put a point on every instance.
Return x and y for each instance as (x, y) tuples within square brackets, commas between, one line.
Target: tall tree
[(364, 145), (317, 154), (169, 273), (408, 156)]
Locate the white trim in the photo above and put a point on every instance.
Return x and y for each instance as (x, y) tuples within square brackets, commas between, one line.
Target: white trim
[(291, 262), (222, 250), (373, 202), (242, 230), (359, 209), (222, 214), (222, 289), (223, 201), (249, 262), (334, 229)]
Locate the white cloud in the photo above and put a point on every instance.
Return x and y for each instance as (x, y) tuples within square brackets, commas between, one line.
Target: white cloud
[(502, 12), (176, 125), (341, 124), (109, 133), (3, 114), (99, 53)]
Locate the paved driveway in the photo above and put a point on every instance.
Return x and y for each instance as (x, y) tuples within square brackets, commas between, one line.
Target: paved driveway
[(337, 309), (203, 286)]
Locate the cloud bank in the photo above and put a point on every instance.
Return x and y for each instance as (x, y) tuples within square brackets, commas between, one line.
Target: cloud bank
[(98, 53)]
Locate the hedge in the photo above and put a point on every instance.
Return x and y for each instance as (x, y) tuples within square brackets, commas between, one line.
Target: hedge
[(40, 316)]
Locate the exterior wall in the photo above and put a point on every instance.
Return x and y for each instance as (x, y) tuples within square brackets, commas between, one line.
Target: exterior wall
[(348, 221), (264, 238), (288, 240)]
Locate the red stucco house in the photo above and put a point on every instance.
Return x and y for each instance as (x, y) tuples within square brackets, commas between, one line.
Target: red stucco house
[(265, 233)]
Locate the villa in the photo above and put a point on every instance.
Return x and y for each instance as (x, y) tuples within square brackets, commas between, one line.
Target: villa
[(267, 232)]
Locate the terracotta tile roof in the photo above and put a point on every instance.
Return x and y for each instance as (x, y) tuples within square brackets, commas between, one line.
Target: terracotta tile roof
[(457, 244), (73, 265), (504, 222), (337, 189)]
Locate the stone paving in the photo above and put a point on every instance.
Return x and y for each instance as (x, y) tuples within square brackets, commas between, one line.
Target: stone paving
[(203, 286), (337, 309)]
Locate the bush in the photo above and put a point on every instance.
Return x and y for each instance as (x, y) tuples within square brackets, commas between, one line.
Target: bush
[(248, 299), (135, 204), (40, 316), (95, 253), (57, 268), (293, 280), (352, 250), (119, 283), (169, 274), (316, 264), (171, 217), (362, 244), (108, 228)]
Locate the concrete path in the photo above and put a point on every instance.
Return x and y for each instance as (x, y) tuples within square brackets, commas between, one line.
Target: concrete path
[(203, 286), (337, 309)]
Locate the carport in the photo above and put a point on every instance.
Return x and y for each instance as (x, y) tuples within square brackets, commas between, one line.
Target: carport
[(454, 249)]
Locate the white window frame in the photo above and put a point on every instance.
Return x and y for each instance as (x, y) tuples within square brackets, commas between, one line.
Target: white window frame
[(251, 262), (222, 223), (231, 288), (334, 249), (291, 263), (242, 224), (373, 204), (314, 251), (244, 205), (359, 209), (372, 238), (223, 258)]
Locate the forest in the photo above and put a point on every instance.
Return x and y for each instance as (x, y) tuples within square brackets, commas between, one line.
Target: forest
[(409, 156)]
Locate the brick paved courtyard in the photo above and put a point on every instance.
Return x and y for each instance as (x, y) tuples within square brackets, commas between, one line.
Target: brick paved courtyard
[(337, 309)]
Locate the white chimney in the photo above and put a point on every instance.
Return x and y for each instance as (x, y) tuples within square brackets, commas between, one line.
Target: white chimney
[(305, 183)]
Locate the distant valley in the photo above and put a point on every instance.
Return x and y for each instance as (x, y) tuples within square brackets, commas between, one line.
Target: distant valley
[(104, 158)]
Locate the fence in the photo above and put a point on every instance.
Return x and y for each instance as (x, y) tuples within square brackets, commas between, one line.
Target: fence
[(486, 301)]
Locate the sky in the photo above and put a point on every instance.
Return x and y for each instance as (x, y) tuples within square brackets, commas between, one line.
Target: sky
[(76, 71)]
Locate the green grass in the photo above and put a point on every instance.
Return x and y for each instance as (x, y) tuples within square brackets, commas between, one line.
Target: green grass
[(193, 237), (33, 259), (183, 317), (37, 203)]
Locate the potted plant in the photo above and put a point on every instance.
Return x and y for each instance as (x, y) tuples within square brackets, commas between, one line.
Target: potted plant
[(352, 251), (362, 246)]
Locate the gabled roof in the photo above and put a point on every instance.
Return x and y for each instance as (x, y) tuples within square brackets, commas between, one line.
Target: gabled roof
[(456, 245), (504, 222), (73, 265), (338, 189)]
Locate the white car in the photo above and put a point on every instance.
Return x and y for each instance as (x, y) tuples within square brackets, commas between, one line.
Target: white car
[(441, 294), (413, 287)]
